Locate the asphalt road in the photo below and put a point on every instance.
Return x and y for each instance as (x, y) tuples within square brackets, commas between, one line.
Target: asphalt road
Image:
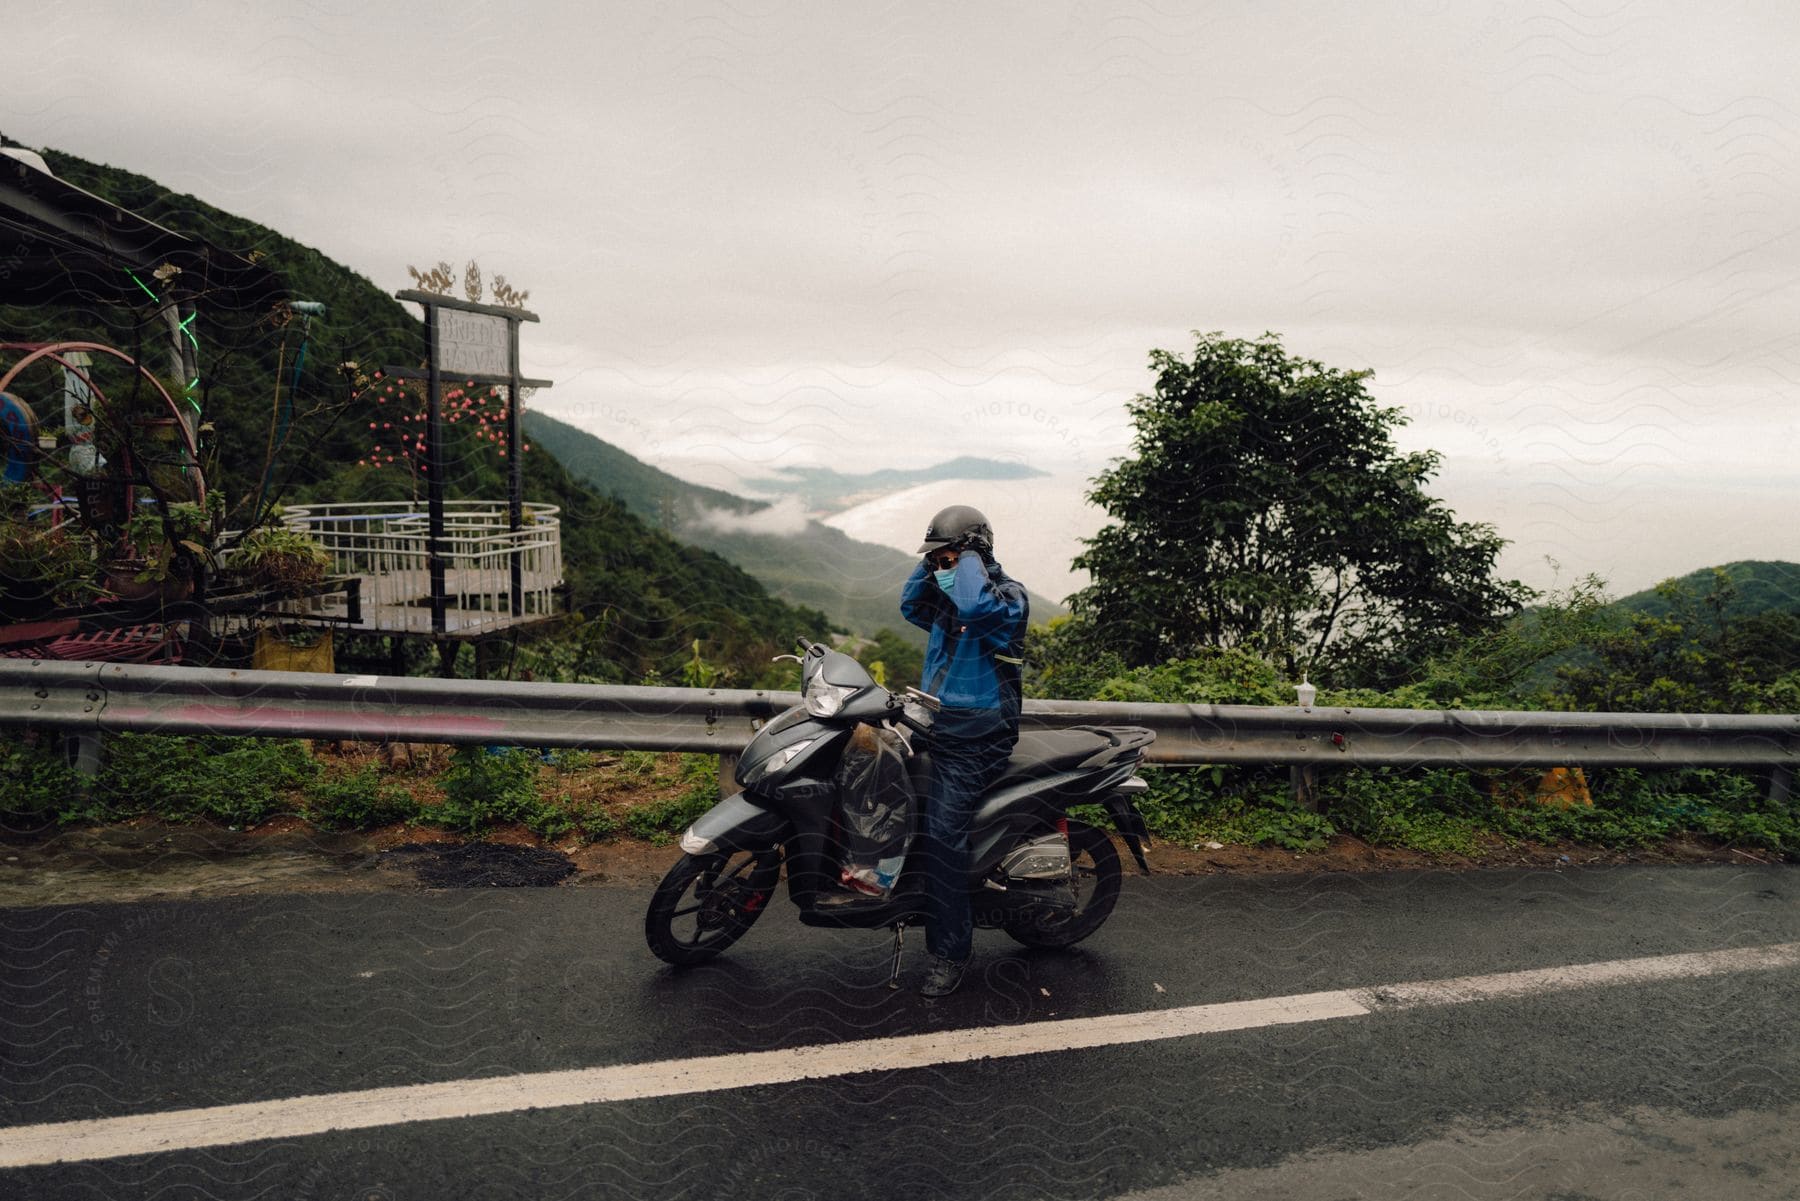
[(1685, 1087)]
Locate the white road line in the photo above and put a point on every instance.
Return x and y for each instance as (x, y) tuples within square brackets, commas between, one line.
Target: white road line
[(145, 1134)]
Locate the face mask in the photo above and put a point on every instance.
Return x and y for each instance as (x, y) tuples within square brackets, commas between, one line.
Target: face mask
[(946, 579)]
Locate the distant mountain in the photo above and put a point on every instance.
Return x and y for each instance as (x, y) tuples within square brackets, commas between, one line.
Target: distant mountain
[(822, 490), (798, 558), (1761, 585), (650, 492)]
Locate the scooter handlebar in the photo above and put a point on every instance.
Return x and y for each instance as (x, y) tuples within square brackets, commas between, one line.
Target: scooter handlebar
[(912, 724), (896, 712)]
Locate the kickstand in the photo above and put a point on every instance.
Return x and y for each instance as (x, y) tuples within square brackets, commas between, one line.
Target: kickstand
[(899, 944)]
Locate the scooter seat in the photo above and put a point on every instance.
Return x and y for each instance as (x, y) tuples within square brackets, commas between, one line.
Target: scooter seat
[(1045, 752)]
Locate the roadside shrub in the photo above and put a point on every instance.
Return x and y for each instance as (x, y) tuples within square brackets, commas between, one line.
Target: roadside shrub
[(1252, 807), (1213, 677), (35, 782), (236, 781), (589, 818), (1277, 822), (1771, 831), (358, 801), (1635, 808), (1609, 828), (485, 786), (549, 821)]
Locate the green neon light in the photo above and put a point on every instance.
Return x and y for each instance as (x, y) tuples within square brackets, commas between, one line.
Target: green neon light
[(189, 332), (140, 283)]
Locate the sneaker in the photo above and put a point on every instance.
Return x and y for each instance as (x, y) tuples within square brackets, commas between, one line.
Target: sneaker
[(942, 976)]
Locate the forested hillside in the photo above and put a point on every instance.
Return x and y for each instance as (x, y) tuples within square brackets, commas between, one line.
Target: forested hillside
[(1757, 586), (856, 583)]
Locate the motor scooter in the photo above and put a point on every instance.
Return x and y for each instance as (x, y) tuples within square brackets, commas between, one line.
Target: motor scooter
[(1047, 879)]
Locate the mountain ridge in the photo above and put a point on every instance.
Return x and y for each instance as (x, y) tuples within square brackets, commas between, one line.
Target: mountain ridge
[(815, 565), (1760, 585)]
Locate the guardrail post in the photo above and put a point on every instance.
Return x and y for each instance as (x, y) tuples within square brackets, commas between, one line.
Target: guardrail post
[(727, 775), (490, 657), (1305, 783), (1781, 784), (84, 758)]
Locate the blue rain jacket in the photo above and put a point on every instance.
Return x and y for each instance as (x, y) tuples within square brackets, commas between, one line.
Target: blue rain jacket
[(977, 639)]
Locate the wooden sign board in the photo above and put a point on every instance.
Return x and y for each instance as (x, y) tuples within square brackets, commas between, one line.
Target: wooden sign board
[(470, 343)]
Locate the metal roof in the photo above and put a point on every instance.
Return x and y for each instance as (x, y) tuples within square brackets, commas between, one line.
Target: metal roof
[(60, 244)]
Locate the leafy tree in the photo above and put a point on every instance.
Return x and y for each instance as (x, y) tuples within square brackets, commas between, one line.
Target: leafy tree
[(1064, 660), (1766, 645), (1513, 666), (1688, 656), (901, 662), (1267, 509)]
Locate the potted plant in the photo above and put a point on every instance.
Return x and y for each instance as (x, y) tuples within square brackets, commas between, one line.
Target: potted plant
[(42, 566), (166, 545), (282, 559), (292, 648), (141, 419), (42, 569)]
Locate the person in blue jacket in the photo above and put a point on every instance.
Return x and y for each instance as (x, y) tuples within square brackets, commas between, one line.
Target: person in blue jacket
[(976, 616)]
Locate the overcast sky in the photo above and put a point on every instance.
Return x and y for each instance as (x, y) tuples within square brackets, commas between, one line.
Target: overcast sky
[(763, 233)]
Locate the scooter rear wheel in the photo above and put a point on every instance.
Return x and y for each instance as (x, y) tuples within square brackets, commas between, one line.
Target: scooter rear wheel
[(707, 902), (1097, 880)]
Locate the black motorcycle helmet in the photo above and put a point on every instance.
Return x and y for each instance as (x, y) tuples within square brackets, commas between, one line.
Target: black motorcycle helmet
[(959, 527)]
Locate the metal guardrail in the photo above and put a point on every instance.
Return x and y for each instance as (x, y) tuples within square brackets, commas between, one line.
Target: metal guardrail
[(104, 697), (117, 697), (1321, 736)]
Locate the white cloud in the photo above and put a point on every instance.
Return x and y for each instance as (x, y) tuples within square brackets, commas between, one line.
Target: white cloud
[(785, 516)]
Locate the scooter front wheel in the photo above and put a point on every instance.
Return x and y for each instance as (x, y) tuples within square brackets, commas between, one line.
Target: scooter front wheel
[(707, 902), (1096, 877)]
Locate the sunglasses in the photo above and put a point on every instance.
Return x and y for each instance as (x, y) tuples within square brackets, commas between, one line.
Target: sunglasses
[(941, 559)]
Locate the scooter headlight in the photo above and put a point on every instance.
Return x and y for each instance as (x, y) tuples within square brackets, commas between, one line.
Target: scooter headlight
[(825, 700), (777, 761)]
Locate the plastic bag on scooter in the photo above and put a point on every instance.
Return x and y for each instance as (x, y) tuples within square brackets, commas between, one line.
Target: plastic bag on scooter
[(875, 811)]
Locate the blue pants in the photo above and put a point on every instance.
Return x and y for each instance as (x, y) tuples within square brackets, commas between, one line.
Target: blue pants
[(961, 770)]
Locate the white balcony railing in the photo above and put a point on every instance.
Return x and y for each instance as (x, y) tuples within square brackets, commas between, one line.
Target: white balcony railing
[(385, 545)]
